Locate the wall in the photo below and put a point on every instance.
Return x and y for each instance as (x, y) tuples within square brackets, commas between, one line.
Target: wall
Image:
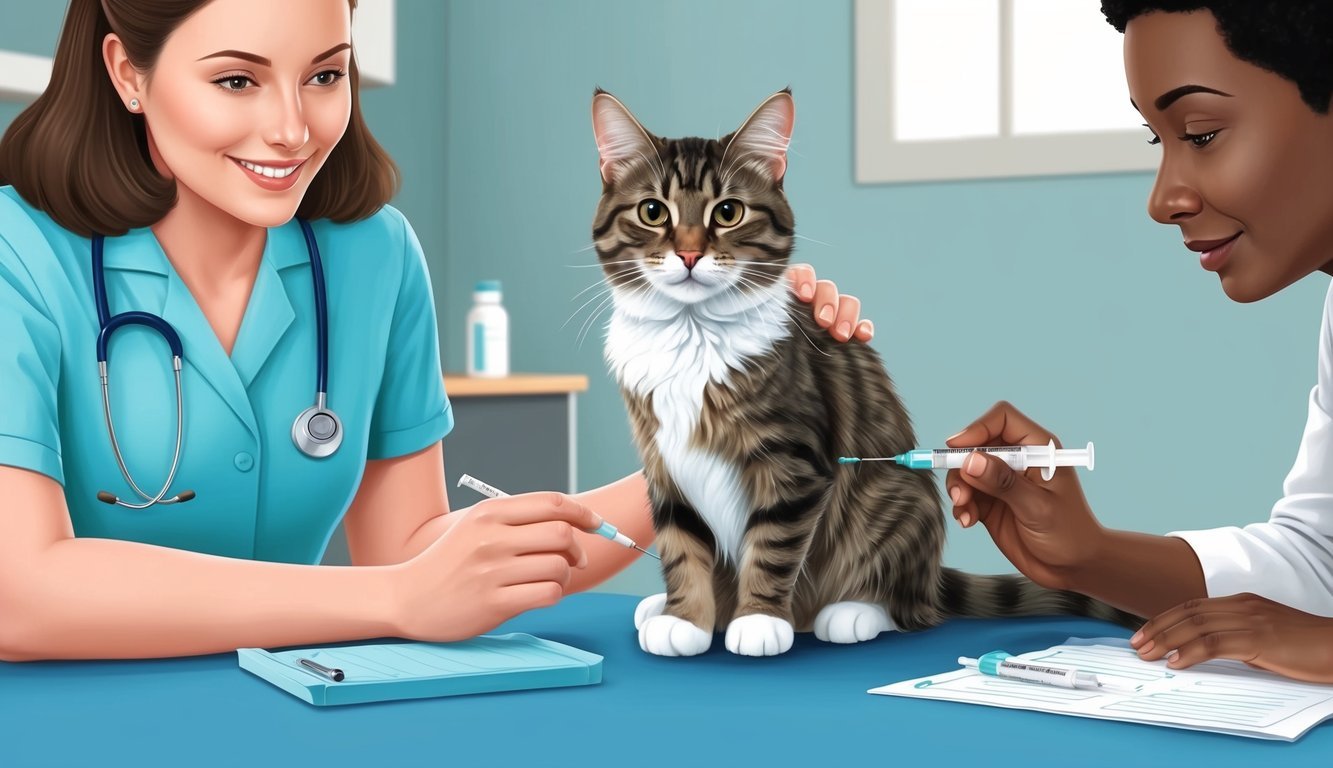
[(1058, 294)]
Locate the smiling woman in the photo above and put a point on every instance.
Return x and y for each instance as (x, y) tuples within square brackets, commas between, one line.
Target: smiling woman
[(1237, 93), (198, 171), (1247, 151), (90, 127)]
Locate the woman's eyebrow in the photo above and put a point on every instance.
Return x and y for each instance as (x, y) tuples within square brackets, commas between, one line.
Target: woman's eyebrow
[(1170, 97), (263, 62)]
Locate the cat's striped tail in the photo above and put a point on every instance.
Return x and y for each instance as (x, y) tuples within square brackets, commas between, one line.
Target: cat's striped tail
[(976, 596)]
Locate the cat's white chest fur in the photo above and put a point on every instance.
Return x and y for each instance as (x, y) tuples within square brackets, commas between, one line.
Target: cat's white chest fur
[(666, 353)]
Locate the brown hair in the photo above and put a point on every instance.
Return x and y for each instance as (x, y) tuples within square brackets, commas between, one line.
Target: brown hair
[(79, 155)]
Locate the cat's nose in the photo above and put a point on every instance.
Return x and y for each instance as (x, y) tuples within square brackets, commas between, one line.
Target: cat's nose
[(689, 257)]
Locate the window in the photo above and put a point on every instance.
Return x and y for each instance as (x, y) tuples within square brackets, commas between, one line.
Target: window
[(966, 89)]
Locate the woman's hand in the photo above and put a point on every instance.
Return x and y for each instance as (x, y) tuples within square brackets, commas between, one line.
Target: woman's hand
[(1045, 528), (1244, 627), (839, 313), (501, 557)]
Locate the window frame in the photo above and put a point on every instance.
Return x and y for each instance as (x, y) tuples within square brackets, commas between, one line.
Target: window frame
[(880, 158)]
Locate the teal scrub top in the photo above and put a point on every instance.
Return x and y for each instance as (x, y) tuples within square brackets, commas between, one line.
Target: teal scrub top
[(258, 497)]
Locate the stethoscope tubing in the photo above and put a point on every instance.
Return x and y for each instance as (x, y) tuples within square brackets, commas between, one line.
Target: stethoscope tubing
[(314, 446)]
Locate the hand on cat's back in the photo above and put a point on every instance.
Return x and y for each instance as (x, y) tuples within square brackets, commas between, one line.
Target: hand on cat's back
[(837, 312)]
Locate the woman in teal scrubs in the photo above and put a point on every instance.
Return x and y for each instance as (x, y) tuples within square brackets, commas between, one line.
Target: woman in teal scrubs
[(191, 138)]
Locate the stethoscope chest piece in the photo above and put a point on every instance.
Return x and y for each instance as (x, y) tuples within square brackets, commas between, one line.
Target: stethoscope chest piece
[(318, 431)]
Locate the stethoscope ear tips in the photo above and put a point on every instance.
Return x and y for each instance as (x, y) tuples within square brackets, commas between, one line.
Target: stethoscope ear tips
[(111, 498)]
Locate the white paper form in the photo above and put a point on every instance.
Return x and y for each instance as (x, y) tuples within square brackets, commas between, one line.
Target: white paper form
[(1220, 696)]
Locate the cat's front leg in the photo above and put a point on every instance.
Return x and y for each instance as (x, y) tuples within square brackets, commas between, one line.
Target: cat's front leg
[(685, 625), (772, 552)]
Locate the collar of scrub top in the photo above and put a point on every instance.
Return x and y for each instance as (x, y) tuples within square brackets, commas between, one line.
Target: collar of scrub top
[(317, 431)]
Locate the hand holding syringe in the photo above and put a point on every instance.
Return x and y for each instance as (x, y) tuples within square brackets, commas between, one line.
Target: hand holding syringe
[(1019, 457), (606, 530)]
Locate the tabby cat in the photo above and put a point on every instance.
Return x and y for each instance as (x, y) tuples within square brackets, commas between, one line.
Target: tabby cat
[(740, 405)]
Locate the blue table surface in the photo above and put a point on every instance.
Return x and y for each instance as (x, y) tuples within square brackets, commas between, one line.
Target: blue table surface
[(806, 707)]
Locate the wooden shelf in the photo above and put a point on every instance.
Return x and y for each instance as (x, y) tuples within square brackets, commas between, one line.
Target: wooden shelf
[(460, 385)]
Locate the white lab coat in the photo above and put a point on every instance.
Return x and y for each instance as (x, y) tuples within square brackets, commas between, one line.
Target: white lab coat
[(1289, 558)]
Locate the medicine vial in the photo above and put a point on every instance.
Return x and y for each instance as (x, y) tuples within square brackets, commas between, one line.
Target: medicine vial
[(487, 332)]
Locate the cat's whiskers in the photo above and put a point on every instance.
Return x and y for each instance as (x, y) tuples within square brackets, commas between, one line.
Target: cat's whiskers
[(591, 321), (606, 281), (576, 296), (640, 285), (783, 306), (811, 239), (599, 265), (600, 294)]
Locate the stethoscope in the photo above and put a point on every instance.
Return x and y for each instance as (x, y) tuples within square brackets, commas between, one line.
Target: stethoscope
[(317, 431)]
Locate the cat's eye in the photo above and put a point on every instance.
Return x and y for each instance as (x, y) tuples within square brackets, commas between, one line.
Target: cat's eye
[(728, 213), (653, 212)]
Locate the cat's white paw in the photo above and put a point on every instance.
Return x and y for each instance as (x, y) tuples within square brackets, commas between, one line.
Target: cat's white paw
[(852, 622), (759, 635), (650, 606), (665, 635)]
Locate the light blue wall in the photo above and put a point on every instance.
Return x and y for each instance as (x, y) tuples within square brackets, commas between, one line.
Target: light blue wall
[(1058, 294)]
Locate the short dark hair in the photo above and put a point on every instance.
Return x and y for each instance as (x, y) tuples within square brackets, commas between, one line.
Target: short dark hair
[(1290, 38), (77, 154)]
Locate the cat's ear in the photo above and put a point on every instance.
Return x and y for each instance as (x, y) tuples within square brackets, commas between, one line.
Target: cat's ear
[(620, 138), (764, 136)]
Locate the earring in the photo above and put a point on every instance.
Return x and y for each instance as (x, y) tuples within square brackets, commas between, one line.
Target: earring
[(134, 104)]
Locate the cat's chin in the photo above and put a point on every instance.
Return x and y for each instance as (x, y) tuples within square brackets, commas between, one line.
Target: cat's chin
[(690, 291)]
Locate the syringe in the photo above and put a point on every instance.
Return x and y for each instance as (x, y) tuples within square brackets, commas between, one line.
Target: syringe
[(606, 530), (1020, 457)]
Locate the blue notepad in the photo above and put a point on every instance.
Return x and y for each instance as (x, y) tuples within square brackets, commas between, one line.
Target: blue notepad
[(392, 671)]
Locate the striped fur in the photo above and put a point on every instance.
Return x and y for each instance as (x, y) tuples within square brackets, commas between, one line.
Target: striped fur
[(740, 403)]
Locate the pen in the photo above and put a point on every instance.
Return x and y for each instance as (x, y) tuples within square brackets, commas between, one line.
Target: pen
[(1001, 664), (336, 675), (606, 530)]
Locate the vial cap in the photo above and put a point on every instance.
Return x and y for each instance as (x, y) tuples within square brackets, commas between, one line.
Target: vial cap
[(487, 285)]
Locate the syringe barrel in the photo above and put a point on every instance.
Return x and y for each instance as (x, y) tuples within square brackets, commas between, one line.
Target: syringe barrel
[(1019, 457)]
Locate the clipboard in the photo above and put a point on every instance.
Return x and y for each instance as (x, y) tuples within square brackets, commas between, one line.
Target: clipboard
[(413, 670)]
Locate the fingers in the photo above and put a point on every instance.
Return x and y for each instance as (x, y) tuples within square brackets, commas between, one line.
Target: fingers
[(524, 597), (802, 277), (550, 537), (1192, 622), (528, 508), (994, 477), (826, 303), (846, 318), (969, 506), (1003, 424), (841, 314), (532, 569), (1239, 644), (1198, 630)]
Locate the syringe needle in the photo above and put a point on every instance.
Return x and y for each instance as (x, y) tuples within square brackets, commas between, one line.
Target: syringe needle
[(646, 552)]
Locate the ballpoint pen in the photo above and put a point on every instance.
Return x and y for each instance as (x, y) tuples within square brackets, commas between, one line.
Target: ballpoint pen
[(336, 675)]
